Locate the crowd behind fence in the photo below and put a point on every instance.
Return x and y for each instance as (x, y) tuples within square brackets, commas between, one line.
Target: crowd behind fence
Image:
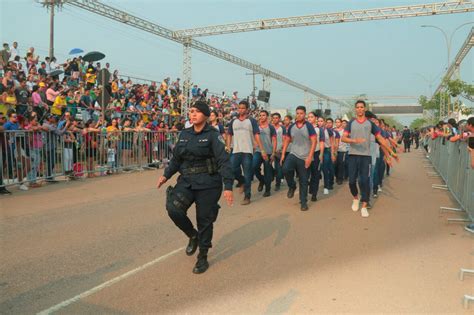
[(35, 156), (451, 160)]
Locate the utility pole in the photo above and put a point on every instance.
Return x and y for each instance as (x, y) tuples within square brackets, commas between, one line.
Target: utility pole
[(253, 74), (51, 29), (51, 4)]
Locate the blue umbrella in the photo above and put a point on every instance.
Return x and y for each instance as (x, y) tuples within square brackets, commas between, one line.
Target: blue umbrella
[(76, 51)]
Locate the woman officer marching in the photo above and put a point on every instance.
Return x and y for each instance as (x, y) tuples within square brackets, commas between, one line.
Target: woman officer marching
[(200, 158)]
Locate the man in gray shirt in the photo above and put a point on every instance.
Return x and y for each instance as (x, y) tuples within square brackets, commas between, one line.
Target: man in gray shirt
[(269, 141), (357, 134), (302, 136), (242, 133)]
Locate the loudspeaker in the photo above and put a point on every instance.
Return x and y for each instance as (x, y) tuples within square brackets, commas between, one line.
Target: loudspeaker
[(327, 113), (319, 112), (263, 96)]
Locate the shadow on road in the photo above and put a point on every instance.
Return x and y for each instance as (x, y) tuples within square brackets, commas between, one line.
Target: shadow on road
[(250, 234)]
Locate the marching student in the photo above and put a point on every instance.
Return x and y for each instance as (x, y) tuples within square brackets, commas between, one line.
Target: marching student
[(302, 136), (280, 133), (268, 138), (315, 175), (357, 134)]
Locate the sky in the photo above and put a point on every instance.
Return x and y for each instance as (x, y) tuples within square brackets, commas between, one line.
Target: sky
[(379, 58)]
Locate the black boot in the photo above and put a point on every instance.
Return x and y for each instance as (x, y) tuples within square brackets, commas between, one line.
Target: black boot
[(192, 245), (291, 192), (201, 265)]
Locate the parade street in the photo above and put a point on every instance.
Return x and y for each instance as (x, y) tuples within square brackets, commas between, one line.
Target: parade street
[(112, 249)]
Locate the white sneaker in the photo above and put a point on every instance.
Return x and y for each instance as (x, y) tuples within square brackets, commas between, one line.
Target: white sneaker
[(355, 205), (379, 190), (23, 187), (364, 213), (326, 191)]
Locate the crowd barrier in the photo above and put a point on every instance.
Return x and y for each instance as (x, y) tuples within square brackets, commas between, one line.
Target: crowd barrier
[(451, 161), (29, 156)]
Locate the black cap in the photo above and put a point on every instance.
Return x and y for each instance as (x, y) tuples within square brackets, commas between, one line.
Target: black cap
[(202, 107)]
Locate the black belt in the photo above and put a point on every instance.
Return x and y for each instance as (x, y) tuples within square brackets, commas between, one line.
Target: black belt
[(195, 170)]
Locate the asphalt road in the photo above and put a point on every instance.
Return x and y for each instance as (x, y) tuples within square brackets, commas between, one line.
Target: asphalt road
[(106, 245)]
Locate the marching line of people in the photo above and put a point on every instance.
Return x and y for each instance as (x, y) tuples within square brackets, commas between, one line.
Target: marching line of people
[(209, 160), (310, 148)]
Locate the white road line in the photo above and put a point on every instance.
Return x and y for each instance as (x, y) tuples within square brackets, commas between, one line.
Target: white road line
[(106, 284)]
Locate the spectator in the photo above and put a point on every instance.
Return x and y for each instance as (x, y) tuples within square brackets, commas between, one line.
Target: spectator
[(8, 101), (23, 98), (14, 51)]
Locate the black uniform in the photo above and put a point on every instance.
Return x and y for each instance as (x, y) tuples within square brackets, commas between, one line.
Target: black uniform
[(204, 164), (407, 138)]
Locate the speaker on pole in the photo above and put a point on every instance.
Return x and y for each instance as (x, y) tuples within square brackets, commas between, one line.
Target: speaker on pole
[(263, 96), (327, 113), (318, 112)]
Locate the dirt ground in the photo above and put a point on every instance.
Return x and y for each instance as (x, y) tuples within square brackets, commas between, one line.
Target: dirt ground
[(62, 240)]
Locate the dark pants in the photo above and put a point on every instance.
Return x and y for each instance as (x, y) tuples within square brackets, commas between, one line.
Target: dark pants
[(207, 209), (22, 109), (406, 143), (50, 162), (378, 173), (278, 171), (340, 167), (417, 143), (359, 170), (315, 176), (244, 160), (292, 164), (328, 169), (267, 170)]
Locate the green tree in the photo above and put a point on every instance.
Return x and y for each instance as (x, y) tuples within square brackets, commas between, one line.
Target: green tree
[(391, 121), (419, 123)]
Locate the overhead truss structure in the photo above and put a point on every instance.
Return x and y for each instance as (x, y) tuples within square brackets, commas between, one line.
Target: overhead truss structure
[(465, 48), (110, 12), (332, 18)]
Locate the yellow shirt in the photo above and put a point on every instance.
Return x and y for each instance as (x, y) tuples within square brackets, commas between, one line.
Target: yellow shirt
[(59, 103), (90, 78), (114, 87)]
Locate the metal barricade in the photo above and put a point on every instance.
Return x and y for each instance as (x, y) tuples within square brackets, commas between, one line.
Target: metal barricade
[(452, 161), (30, 157)]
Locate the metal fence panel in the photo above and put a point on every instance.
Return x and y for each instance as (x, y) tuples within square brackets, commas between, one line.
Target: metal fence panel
[(29, 157)]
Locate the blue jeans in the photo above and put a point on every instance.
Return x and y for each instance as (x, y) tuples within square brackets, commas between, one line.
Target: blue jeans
[(315, 171), (278, 171), (340, 166), (35, 157), (328, 169), (359, 171), (267, 170), (378, 173), (292, 164), (244, 160)]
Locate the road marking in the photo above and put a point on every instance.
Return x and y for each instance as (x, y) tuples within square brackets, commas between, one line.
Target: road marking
[(106, 284)]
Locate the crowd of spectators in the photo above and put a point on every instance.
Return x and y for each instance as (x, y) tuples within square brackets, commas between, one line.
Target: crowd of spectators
[(47, 96), (28, 84)]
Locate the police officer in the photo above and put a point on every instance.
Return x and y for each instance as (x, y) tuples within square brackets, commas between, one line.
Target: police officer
[(200, 158)]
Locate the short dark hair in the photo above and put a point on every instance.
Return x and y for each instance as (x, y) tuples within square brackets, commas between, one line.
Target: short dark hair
[(370, 115), (244, 102), (289, 117), (276, 114), (470, 121), (301, 107), (360, 102), (329, 119), (265, 111)]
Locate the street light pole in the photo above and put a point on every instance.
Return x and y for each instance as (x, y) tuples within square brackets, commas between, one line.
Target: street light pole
[(449, 41)]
